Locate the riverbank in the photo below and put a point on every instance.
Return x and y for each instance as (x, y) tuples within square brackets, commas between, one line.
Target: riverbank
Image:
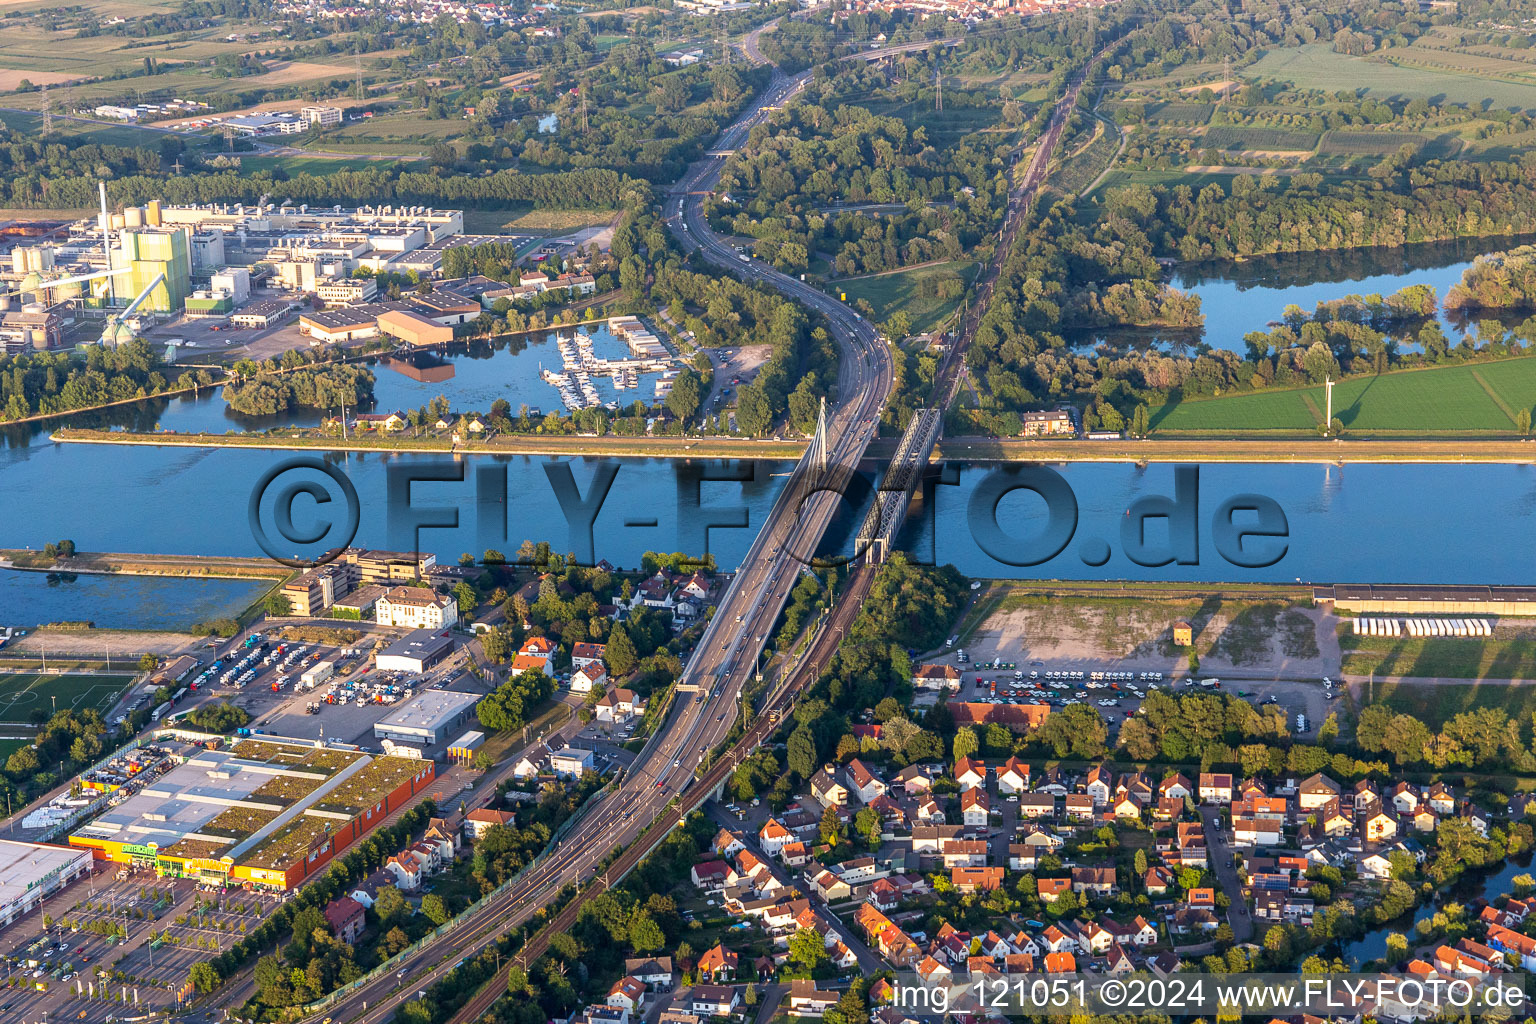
[(959, 449), (124, 564), (504, 444)]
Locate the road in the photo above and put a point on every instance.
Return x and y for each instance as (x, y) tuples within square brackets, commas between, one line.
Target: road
[(726, 660), (1218, 850)]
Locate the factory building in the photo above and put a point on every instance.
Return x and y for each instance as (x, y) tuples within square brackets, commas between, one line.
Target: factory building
[(1412, 600)]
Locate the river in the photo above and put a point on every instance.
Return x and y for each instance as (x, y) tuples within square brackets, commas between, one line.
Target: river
[(1361, 523)]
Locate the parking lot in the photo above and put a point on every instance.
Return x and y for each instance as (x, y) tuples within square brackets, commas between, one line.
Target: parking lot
[(343, 705), (1117, 693), (117, 936)]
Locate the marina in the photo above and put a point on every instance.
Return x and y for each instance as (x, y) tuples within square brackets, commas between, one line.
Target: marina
[(580, 364)]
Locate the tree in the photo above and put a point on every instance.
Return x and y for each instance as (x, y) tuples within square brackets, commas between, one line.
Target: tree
[(800, 752), (434, 909), (277, 604), (389, 905), (204, 976), (148, 663), (965, 742), (620, 655), (1523, 422), (807, 948), (645, 935), (1140, 421), (685, 397), (1397, 947), (466, 597), (831, 827)]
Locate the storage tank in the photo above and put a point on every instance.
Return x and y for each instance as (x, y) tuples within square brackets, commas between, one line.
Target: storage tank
[(133, 217)]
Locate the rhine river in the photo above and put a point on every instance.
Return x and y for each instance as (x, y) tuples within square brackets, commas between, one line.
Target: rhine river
[(1360, 523)]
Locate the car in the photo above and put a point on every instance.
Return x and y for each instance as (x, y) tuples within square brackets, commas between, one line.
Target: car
[(659, 783), (37, 973), (677, 762)]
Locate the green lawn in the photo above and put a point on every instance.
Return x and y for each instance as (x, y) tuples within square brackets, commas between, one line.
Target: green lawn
[(1480, 398), (23, 692), (1435, 705), (889, 293), (1495, 657), (305, 164), (1317, 66)]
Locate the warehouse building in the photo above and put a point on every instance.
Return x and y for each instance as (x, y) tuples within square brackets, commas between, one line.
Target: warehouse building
[(1448, 600), (415, 652), (29, 872), (414, 329), (428, 719)]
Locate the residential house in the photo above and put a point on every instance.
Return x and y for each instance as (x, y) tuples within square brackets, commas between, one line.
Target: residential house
[(936, 677), (974, 807), (346, 918), (970, 773), (1405, 797), (482, 819), (717, 964), (1315, 791), (913, 779), (1013, 778), (628, 993), (862, 782), (1377, 825), (1035, 805), (976, 879), (1176, 787), (1049, 888), (585, 655), (1096, 881), (406, 869), (655, 972), (715, 1000), (806, 1000), (1215, 788), (827, 790), (1098, 785), (591, 677), (772, 836)]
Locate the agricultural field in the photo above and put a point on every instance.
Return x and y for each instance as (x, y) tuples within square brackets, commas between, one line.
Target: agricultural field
[(1469, 400), (1343, 143), (22, 693), (893, 292), (1229, 137), (1317, 66), (1180, 113)]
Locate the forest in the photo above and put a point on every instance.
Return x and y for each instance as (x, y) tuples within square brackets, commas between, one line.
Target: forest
[(38, 383)]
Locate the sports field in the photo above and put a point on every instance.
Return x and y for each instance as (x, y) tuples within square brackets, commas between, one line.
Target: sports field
[(1474, 399), (23, 692)]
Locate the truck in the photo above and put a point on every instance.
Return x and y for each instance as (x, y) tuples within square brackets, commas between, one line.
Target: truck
[(319, 673)]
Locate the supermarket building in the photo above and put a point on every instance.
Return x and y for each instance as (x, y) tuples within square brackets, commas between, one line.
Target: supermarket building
[(262, 814)]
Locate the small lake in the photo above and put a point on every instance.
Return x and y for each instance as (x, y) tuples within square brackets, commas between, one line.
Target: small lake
[(1487, 884), (1239, 297), (29, 599)]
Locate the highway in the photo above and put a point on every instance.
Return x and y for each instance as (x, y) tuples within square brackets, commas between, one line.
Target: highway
[(727, 657)]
